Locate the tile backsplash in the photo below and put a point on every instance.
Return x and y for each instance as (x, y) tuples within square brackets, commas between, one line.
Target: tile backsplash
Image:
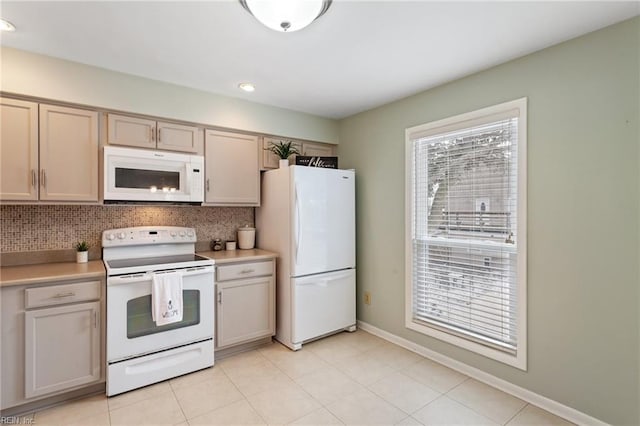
[(54, 227)]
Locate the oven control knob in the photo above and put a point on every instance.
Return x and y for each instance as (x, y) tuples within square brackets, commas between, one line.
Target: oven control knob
[(121, 235), (111, 237), (190, 234), (182, 234), (173, 234)]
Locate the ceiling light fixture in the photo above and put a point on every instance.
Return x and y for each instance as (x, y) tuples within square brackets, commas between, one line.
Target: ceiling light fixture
[(286, 15), (247, 87), (6, 25)]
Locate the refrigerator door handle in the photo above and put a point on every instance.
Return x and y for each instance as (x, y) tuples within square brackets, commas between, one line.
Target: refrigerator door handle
[(324, 283), (343, 274), (297, 223), (333, 276)]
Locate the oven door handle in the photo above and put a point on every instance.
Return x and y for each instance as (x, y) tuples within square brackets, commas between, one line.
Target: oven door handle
[(128, 279), (199, 270), (135, 278)]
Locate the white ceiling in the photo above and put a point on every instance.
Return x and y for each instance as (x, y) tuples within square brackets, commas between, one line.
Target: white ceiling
[(359, 55)]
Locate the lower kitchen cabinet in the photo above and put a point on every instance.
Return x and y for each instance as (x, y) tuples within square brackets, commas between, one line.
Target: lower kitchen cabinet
[(62, 348), (245, 308), (52, 339)]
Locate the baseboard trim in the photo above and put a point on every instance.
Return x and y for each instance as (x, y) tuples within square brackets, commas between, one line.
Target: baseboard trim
[(543, 402)]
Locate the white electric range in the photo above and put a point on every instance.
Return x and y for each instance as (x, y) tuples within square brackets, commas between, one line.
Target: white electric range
[(139, 352)]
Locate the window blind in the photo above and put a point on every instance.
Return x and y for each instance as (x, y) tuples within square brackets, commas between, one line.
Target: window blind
[(465, 237)]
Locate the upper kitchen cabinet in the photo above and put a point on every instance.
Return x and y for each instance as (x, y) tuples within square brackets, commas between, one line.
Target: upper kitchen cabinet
[(145, 133), (270, 161), (68, 154), (131, 131), (18, 150), (58, 163), (231, 169), (314, 149), (177, 137)]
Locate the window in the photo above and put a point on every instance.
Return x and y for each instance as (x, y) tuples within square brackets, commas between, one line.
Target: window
[(466, 231)]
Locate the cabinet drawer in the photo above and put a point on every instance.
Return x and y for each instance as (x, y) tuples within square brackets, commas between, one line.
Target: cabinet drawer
[(60, 294), (244, 270)]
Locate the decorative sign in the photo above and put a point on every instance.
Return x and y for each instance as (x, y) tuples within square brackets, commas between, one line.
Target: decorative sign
[(322, 162)]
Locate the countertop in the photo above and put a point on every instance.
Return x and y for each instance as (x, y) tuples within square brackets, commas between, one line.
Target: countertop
[(229, 256), (46, 272)]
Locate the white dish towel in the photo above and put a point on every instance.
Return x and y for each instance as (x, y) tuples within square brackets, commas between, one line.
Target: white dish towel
[(166, 297)]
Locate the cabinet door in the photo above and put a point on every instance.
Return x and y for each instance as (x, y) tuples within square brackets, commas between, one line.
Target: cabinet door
[(131, 131), (317, 149), (245, 310), (18, 150), (231, 169), (176, 137), (62, 348), (68, 154)]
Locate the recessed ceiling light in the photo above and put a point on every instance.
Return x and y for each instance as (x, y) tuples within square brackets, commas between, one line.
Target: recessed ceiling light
[(6, 25), (247, 87)]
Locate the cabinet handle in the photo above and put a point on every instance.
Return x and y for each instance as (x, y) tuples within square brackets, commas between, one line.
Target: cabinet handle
[(95, 319), (159, 133), (33, 177), (153, 134), (208, 185), (247, 271), (220, 298), (43, 178), (62, 295)]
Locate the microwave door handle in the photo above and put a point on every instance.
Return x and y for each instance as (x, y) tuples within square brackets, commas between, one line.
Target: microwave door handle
[(189, 179)]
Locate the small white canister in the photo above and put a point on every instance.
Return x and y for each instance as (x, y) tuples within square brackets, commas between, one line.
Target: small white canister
[(246, 237)]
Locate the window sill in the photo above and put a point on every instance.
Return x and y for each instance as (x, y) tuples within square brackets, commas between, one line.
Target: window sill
[(519, 360)]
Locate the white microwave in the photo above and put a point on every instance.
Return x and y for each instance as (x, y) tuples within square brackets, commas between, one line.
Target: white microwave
[(138, 175)]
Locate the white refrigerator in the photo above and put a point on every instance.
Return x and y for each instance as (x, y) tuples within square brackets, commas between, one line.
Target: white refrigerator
[(307, 216)]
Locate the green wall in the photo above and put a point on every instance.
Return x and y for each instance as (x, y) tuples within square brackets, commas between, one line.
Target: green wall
[(583, 215)]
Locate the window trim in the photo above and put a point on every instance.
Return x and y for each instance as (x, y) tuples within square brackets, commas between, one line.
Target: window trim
[(516, 107)]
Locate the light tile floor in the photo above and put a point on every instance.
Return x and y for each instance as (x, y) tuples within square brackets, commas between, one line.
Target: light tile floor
[(349, 378)]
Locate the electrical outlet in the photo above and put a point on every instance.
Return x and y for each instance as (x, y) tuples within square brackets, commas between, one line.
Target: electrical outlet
[(367, 298)]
